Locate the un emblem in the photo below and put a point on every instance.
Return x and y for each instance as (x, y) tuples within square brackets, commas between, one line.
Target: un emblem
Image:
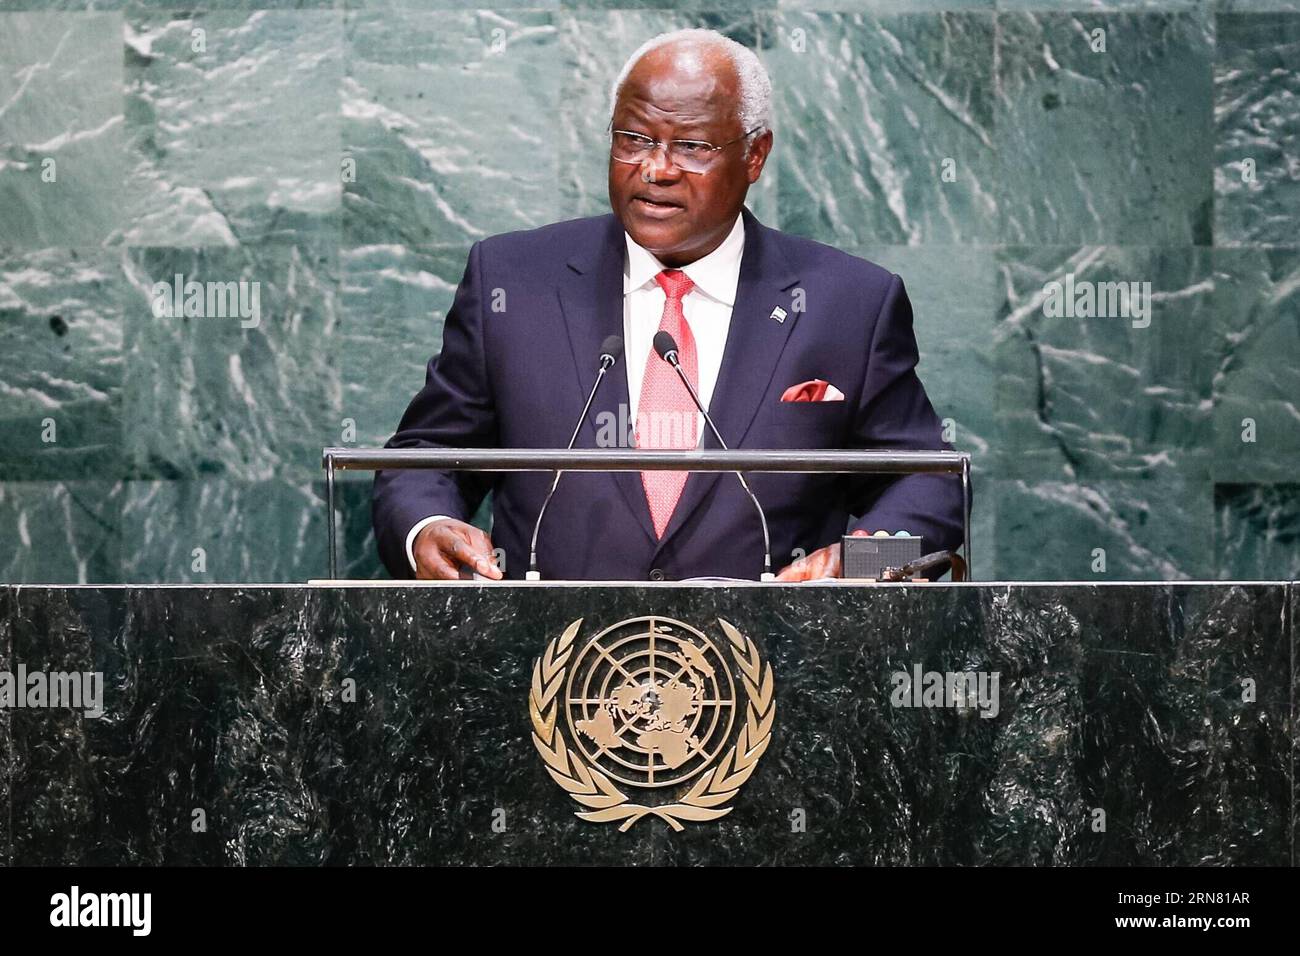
[(655, 705)]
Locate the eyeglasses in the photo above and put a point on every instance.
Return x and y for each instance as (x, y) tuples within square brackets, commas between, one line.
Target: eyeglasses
[(688, 155)]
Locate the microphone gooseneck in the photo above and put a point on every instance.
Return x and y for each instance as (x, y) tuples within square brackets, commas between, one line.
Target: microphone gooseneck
[(610, 350), (667, 349)]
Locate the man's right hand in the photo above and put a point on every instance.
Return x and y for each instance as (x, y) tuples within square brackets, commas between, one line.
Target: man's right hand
[(443, 546)]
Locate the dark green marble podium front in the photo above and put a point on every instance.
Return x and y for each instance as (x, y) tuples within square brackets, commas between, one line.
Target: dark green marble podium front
[(1166, 707)]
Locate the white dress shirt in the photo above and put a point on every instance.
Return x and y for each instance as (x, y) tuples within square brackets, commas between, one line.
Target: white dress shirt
[(707, 308)]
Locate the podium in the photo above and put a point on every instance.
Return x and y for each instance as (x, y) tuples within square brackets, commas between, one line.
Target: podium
[(1144, 724), (560, 460)]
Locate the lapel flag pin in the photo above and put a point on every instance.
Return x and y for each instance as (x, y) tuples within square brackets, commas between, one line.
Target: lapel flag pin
[(779, 314)]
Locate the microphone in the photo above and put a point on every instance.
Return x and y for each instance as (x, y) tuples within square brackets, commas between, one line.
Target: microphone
[(610, 350), (667, 349)]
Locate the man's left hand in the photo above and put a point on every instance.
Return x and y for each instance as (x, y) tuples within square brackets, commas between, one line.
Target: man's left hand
[(822, 563)]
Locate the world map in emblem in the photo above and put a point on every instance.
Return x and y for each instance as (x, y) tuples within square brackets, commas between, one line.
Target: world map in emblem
[(650, 701)]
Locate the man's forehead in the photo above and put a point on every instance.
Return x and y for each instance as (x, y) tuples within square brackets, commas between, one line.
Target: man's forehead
[(681, 74)]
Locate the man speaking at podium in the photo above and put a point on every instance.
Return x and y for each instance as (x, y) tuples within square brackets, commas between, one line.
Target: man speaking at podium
[(789, 343)]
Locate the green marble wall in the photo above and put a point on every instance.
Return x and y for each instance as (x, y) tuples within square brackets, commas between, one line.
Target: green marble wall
[(213, 140)]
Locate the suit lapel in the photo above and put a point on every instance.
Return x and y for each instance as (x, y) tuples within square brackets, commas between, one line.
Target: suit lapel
[(754, 344), (591, 298)]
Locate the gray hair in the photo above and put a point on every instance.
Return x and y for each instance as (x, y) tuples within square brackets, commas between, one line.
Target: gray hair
[(755, 108)]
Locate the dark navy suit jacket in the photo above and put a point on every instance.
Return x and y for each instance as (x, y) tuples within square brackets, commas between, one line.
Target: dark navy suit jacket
[(519, 355)]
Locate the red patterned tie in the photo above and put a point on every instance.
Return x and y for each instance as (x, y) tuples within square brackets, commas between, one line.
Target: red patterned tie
[(665, 414)]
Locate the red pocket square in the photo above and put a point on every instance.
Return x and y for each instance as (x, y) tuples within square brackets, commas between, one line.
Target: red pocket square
[(815, 391)]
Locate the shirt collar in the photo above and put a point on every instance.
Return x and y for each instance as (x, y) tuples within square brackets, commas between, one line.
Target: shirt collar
[(716, 275)]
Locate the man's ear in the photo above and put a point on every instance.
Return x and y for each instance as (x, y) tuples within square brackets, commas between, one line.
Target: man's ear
[(758, 151)]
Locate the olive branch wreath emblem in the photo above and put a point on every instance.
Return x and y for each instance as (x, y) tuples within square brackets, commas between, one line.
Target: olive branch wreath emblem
[(589, 786)]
